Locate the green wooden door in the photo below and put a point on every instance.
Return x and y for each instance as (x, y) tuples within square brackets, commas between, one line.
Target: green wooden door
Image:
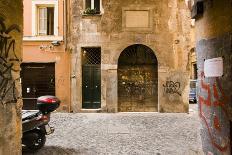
[(91, 87), (91, 79)]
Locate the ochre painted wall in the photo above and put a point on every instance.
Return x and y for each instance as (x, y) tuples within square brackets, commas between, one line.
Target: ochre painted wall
[(27, 14), (32, 53), (37, 49)]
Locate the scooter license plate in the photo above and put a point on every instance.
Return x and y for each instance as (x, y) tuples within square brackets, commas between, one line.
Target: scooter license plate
[(49, 130)]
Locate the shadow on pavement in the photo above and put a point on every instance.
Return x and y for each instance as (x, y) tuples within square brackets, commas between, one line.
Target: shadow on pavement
[(54, 150)]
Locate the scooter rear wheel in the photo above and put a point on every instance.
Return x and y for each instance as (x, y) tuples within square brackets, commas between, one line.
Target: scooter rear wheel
[(37, 142)]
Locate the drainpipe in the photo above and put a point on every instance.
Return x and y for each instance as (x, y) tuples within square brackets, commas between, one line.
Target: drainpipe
[(64, 23)]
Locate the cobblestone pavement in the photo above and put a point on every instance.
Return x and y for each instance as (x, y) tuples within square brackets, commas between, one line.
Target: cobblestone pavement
[(124, 133)]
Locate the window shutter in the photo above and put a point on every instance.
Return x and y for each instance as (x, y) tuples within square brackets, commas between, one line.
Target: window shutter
[(42, 21), (88, 4), (50, 20), (97, 5)]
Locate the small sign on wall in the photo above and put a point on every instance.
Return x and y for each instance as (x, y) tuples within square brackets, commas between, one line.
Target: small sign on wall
[(213, 67)]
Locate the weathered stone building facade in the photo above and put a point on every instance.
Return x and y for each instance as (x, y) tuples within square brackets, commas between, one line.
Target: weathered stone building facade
[(129, 55), (11, 28)]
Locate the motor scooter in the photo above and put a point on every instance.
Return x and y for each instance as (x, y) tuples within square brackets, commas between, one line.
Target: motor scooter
[(35, 123)]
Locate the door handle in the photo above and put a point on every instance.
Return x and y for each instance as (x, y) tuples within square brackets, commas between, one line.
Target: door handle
[(28, 90)]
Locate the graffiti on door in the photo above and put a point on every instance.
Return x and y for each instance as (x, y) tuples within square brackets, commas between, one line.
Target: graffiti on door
[(8, 58)]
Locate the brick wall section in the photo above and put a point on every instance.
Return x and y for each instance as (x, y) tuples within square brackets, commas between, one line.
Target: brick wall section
[(10, 58), (214, 39)]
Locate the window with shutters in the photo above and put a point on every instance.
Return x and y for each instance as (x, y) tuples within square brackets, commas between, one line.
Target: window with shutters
[(45, 20), (45, 17)]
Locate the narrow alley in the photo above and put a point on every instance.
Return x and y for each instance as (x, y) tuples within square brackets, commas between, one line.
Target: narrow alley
[(124, 133), (116, 77)]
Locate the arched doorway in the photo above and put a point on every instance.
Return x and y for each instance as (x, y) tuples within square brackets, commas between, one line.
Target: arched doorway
[(137, 80)]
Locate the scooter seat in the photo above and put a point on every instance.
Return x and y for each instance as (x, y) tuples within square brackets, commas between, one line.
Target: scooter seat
[(27, 114)]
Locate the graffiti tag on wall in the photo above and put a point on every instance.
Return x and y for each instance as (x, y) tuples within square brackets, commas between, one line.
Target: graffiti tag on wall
[(216, 94), (172, 87), (8, 58)]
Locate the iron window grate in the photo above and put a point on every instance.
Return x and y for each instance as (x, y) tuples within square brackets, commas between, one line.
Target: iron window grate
[(137, 54), (91, 56)]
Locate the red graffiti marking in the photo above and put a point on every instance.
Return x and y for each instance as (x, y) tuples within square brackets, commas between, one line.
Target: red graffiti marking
[(217, 103), (224, 100), (216, 123)]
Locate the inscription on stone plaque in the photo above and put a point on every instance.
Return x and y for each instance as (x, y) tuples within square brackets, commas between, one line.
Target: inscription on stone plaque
[(137, 19)]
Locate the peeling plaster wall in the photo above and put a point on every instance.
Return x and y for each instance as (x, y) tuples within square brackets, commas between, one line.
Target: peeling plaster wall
[(168, 36), (214, 39), (11, 19)]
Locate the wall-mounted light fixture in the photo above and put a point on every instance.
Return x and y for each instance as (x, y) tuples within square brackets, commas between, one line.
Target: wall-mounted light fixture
[(56, 43)]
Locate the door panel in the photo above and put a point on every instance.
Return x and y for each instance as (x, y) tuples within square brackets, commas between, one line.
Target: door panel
[(137, 80), (91, 87), (96, 85), (86, 86), (137, 88), (38, 79), (91, 78)]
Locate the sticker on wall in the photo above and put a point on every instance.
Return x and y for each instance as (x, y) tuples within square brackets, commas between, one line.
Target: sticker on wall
[(213, 67)]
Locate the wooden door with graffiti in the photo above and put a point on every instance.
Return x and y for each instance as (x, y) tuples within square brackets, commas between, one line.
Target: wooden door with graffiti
[(137, 80), (37, 79)]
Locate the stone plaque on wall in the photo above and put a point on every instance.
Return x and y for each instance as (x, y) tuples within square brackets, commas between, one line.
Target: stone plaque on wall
[(137, 18)]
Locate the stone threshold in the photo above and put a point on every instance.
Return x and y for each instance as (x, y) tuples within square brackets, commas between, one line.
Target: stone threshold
[(91, 110)]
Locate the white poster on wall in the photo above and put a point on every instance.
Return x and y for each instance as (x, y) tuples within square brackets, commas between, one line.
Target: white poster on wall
[(213, 67)]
